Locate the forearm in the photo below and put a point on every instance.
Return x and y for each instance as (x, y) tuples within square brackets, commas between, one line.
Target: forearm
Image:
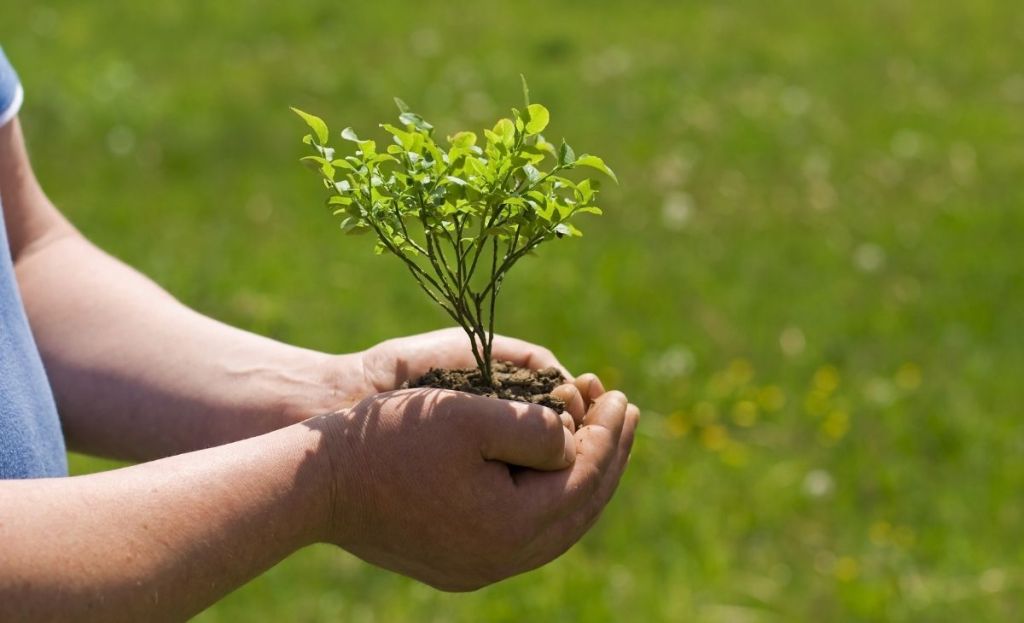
[(137, 375), (162, 540)]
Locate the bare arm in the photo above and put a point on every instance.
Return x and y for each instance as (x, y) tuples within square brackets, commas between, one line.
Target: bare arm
[(163, 540), (136, 374), (414, 481)]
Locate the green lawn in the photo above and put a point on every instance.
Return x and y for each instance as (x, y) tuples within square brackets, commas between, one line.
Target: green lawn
[(810, 278)]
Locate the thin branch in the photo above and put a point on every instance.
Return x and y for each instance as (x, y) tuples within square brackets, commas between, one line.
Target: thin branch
[(510, 261), (431, 255), (495, 279)]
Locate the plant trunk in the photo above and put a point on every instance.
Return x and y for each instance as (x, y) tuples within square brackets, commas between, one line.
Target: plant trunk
[(482, 354)]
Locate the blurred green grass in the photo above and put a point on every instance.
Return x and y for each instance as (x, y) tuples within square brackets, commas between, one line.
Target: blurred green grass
[(810, 278)]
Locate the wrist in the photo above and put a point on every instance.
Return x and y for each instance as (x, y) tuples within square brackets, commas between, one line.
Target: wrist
[(342, 481), (288, 490), (320, 496), (319, 383)]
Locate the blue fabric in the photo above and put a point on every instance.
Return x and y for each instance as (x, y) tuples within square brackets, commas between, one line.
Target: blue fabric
[(10, 90), (31, 442)]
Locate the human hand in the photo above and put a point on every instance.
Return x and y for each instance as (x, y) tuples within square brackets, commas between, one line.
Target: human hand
[(389, 364), (423, 484)]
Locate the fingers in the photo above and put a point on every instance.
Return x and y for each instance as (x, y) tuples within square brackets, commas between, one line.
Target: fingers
[(570, 395), (590, 388), (609, 411), (597, 444), (587, 514), (567, 530), (523, 434)]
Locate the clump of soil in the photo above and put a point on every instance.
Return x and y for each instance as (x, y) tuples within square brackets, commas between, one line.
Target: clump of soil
[(510, 383)]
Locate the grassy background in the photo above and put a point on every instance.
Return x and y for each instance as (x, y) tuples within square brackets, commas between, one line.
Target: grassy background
[(810, 278)]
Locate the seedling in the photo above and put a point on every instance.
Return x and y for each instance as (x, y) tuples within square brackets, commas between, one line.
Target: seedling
[(459, 217)]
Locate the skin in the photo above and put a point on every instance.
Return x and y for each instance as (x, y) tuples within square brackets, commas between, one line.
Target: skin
[(254, 449)]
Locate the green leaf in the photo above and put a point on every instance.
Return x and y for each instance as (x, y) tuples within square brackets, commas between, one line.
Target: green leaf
[(327, 170), (558, 182), (475, 167), (520, 124), (379, 158), (543, 145), (350, 135), (368, 148), (532, 173), (585, 191), (590, 210), (492, 139), (463, 140), (586, 160), (566, 155), (539, 117), (326, 152), (402, 106), (401, 137), (565, 229), (505, 130), (536, 195), (313, 163), (418, 122), (354, 225), (547, 213), (526, 91), (315, 123)]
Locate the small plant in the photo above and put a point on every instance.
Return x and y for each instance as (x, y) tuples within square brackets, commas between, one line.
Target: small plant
[(458, 217)]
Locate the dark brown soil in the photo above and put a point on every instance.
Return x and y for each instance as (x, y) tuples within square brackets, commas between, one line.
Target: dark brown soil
[(510, 383)]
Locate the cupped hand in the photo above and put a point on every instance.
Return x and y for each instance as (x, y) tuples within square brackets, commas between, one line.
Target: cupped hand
[(424, 487)]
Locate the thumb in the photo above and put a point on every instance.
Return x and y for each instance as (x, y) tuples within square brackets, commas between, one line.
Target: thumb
[(525, 434)]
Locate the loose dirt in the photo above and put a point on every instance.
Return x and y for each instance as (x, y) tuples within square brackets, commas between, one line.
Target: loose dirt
[(510, 383)]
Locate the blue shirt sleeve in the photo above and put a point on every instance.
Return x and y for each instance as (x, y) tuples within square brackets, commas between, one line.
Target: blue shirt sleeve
[(31, 441), (11, 93)]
